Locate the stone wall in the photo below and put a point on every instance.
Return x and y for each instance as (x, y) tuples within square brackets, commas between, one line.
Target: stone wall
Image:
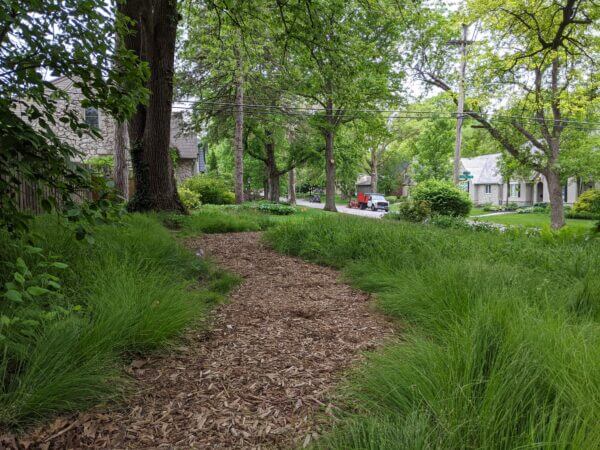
[(186, 168)]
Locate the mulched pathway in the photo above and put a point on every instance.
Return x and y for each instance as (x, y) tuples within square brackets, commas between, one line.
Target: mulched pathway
[(262, 377)]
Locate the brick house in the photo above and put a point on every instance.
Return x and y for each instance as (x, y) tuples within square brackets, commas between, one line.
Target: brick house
[(191, 157)]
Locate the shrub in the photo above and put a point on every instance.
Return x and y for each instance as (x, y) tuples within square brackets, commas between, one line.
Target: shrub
[(582, 215), (212, 190), (588, 202), (512, 206), (279, 209), (189, 198), (443, 197), (412, 211)]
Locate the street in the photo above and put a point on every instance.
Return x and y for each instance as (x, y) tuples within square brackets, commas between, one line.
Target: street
[(344, 209)]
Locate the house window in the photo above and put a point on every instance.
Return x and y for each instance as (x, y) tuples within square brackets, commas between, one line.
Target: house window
[(488, 188), (515, 190), (565, 193), (91, 117)]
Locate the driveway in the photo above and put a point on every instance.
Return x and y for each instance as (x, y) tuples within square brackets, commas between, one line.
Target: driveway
[(344, 209)]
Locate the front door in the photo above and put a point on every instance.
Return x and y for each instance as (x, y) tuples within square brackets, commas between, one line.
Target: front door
[(540, 192)]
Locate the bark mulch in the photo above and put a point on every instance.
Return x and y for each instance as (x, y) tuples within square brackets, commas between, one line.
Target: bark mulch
[(261, 378)]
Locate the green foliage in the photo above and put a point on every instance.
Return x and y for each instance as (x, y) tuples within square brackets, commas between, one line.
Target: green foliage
[(443, 197), (582, 215), (433, 151), (174, 155), (70, 324), (412, 211), (213, 163), (210, 219), (189, 198), (81, 49), (279, 209), (588, 202), (102, 164), (211, 189), (500, 343)]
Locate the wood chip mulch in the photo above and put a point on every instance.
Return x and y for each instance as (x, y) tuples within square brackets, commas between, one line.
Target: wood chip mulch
[(263, 377)]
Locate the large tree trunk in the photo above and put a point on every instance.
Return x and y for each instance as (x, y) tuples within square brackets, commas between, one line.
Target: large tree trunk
[(374, 172), (239, 129), (329, 160), (153, 40), (557, 214), (292, 187), (121, 171)]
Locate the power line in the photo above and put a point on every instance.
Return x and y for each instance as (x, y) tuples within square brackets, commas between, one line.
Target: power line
[(426, 114), (271, 110)]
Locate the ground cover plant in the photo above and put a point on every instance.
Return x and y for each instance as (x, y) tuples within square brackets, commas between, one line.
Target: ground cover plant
[(539, 220), (90, 309), (500, 343)]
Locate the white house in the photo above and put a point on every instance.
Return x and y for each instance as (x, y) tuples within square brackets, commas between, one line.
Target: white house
[(488, 185)]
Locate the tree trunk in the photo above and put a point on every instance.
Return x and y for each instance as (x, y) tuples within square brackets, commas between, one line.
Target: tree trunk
[(153, 40), (557, 216), (239, 129), (374, 172), (271, 166), (329, 160), (292, 187), (121, 171), (274, 187)]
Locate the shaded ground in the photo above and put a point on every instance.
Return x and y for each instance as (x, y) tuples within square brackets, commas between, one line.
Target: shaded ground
[(263, 375)]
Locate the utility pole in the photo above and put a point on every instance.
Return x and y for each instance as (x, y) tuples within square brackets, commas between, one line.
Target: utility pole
[(461, 99)]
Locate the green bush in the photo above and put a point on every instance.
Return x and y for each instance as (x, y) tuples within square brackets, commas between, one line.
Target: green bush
[(411, 211), (512, 206), (500, 345), (212, 190), (582, 215), (189, 198), (489, 207), (444, 198), (588, 202), (132, 291)]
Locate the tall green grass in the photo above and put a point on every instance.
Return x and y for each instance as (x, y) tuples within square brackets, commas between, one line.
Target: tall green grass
[(130, 293), (501, 348)]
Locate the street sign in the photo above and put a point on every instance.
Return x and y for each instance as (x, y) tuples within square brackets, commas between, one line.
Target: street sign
[(466, 175)]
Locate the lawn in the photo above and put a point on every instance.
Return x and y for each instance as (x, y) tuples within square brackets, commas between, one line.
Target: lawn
[(478, 212), (538, 220), (500, 335)]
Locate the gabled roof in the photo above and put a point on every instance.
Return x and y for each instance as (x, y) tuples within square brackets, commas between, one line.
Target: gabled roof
[(485, 169)]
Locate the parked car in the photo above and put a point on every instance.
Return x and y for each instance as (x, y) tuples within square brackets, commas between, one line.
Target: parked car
[(378, 201), (373, 201), (316, 198)]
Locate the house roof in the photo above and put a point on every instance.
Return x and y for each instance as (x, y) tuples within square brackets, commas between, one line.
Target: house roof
[(186, 142), (484, 169)]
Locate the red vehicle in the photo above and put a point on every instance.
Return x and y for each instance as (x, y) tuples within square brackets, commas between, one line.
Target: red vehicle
[(370, 201)]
